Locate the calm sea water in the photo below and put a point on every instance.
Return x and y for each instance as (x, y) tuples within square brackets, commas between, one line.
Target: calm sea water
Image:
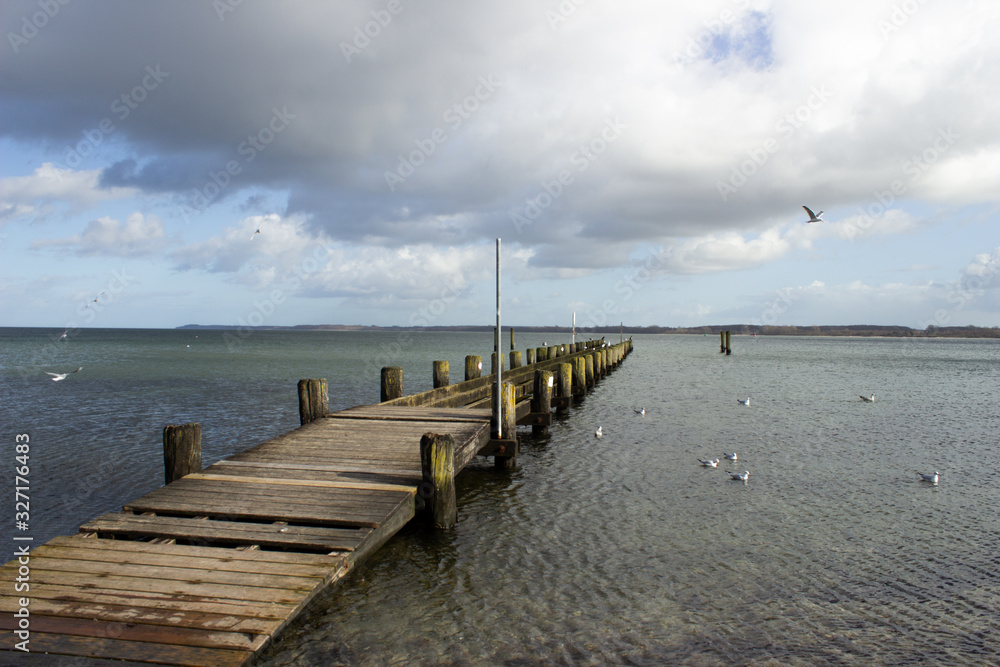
[(619, 550)]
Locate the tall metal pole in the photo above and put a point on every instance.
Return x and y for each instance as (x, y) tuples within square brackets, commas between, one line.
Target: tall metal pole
[(574, 327), (499, 388)]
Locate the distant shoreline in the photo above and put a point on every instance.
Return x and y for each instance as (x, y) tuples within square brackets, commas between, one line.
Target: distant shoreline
[(862, 330)]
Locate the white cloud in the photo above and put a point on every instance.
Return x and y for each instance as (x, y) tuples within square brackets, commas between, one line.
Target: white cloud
[(49, 185), (138, 236)]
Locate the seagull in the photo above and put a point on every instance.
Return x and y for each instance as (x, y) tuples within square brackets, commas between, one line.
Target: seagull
[(56, 377), (743, 401), (599, 432), (640, 411), (94, 300), (742, 476), (730, 457), (813, 217), (63, 336), (709, 463), (933, 479), (868, 399), (255, 233)]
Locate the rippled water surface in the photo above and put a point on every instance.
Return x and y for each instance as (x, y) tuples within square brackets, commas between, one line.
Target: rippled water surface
[(619, 550)]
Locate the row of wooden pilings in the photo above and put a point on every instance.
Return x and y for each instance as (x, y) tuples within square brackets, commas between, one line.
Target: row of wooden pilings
[(724, 342), (553, 376)]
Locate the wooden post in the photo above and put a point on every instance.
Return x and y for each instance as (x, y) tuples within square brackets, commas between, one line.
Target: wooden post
[(493, 363), (565, 387), (722, 341), (552, 352), (512, 338), (588, 369), (515, 359), (441, 369), (579, 377), (437, 461), (729, 349), (541, 353), (392, 382), (530, 356), (473, 366), (541, 401), (508, 418), (314, 401), (181, 451)]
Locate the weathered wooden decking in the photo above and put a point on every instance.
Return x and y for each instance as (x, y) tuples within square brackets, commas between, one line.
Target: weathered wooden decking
[(209, 569)]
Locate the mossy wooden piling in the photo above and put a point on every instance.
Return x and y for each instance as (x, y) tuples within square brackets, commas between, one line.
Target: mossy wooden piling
[(211, 567), (314, 401), (437, 463), (473, 367), (440, 374), (181, 451)]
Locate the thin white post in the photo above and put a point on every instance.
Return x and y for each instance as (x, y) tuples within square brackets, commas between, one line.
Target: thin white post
[(574, 327), (499, 388)]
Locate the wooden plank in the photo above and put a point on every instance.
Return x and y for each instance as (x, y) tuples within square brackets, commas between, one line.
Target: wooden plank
[(150, 600), (303, 471), (131, 614), (335, 468), (118, 649), (194, 591), (182, 570), (227, 532), (367, 486), (216, 552), (170, 559), (184, 490), (141, 632), (252, 510)]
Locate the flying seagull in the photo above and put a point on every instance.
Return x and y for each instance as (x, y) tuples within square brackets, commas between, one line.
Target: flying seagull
[(255, 233), (742, 476), (56, 377), (813, 217), (599, 432), (709, 463), (933, 479), (868, 399), (94, 300), (63, 336), (745, 401)]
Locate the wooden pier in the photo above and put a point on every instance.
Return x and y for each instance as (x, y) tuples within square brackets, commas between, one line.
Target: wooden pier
[(210, 568)]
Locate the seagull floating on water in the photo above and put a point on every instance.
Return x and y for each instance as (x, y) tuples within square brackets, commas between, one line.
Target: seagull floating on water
[(709, 463), (933, 479), (744, 401), (56, 377), (640, 411), (730, 457), (868, 399), (599, 432), (813, 217), (742, 476)]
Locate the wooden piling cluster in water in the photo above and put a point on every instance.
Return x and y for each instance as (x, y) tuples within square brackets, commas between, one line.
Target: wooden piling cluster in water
[(725, 343), (209, 568)]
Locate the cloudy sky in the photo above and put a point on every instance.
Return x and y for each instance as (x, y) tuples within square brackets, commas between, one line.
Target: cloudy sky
[(642, 161)]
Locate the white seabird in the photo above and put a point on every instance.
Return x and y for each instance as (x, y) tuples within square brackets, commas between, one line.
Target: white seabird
[(56, 377), (932, 479), (742, 476), (640, 411), (743, 401), (813, 217), (868, 399), (599, 432), (730, 457), (709, 463)]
